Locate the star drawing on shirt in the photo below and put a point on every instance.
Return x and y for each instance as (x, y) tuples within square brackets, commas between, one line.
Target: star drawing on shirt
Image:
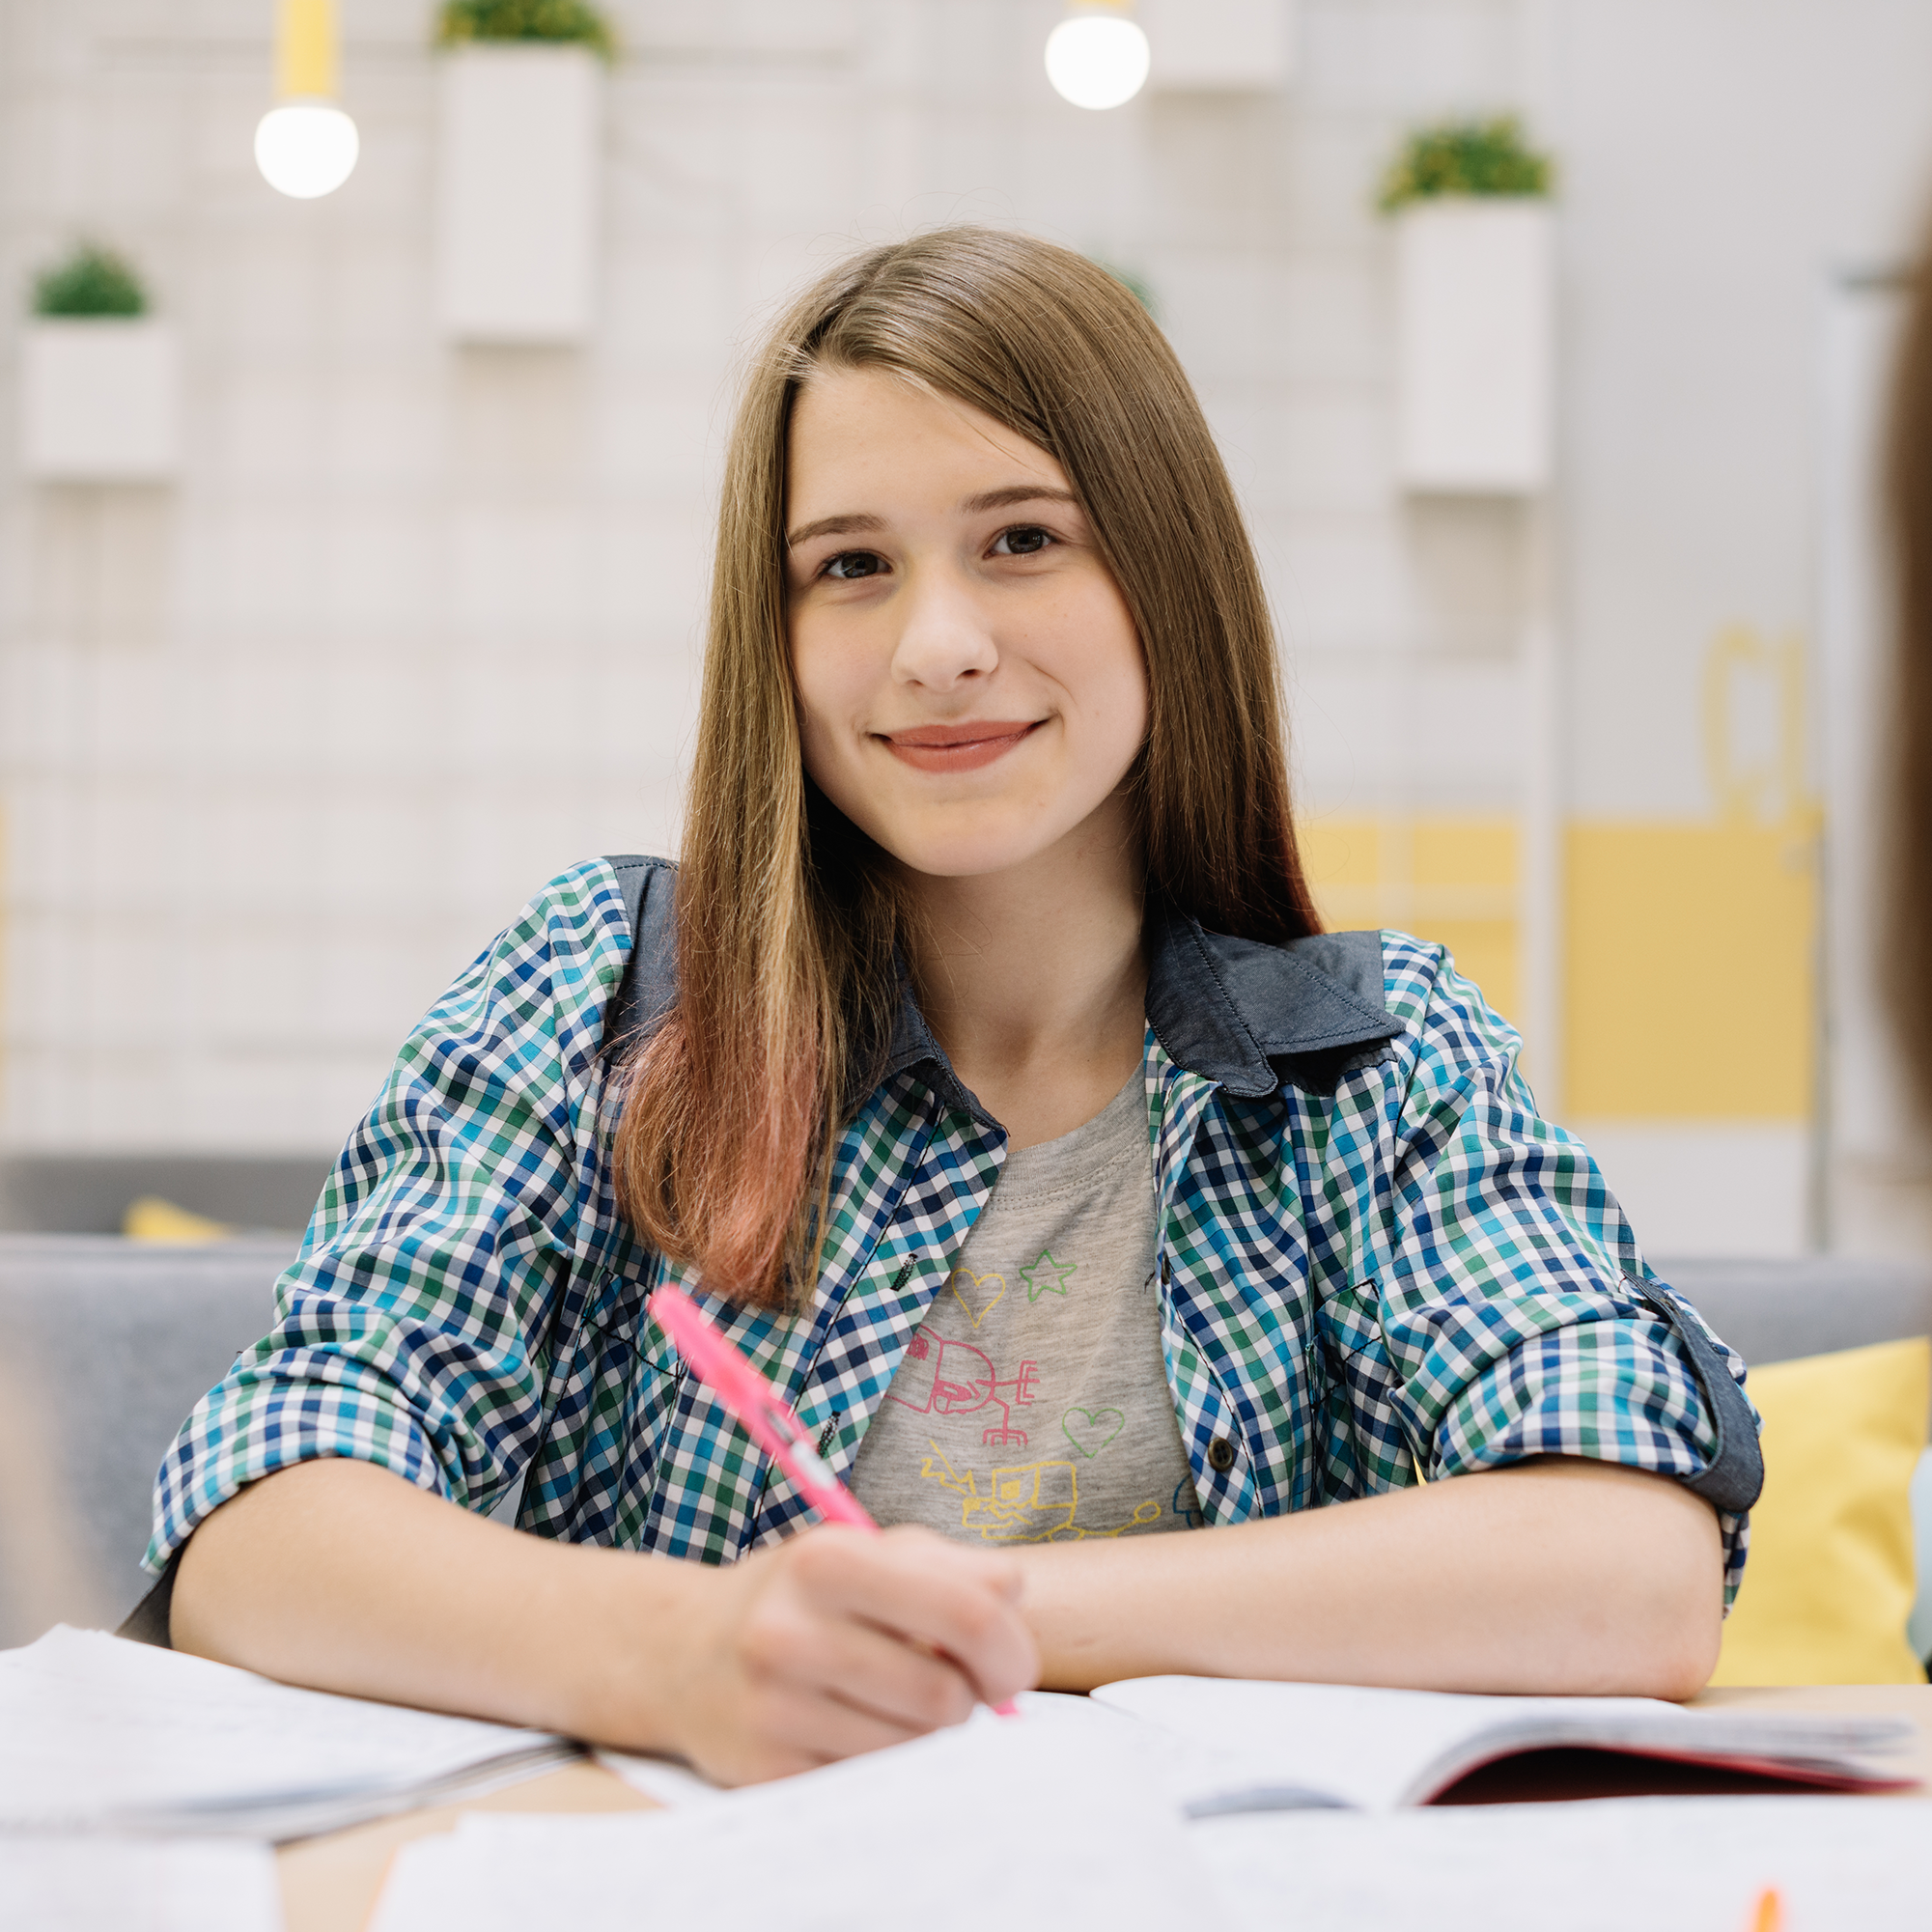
[(1036, 1277)]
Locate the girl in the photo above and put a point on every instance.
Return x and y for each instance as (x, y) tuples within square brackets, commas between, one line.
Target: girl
[(986, 1066)]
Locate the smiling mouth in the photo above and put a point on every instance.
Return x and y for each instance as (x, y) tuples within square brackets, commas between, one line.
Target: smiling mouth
[(958, 747)]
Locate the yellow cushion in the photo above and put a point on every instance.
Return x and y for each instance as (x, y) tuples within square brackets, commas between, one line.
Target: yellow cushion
[(1829, 1581), (152, 1218)]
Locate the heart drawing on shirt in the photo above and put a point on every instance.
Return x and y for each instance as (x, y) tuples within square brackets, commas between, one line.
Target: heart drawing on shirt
[(976, 1294), (1091, 1430)]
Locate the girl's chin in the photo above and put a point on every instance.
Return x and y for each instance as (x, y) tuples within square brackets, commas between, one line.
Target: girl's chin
[(974, 854)]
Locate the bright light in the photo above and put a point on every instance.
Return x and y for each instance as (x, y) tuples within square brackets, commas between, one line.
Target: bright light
[(306, 147), (1097, 60)]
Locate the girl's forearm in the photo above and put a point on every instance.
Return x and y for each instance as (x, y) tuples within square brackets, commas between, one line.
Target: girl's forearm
[(1556, 1575), (338, 1575)]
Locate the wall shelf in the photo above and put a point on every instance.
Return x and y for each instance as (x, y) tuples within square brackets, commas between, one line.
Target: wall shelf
[(99, 400)]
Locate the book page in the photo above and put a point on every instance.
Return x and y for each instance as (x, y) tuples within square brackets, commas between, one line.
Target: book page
[(672, 1783), (1274, 1746), (100, 1729), (1005, 1824), (1661, 1865)]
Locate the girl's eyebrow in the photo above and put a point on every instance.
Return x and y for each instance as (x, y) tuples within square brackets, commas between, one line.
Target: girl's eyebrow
[(850, 522), (1017, 492), (833, 526)]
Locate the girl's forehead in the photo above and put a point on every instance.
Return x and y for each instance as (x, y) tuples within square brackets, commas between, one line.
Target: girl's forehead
[(880, 422)]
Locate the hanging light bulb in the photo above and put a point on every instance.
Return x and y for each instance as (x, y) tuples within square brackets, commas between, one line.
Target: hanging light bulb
[(306, 146), (1097, 57)]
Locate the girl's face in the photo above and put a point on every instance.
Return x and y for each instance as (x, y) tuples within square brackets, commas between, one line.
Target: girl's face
[(970, 687)]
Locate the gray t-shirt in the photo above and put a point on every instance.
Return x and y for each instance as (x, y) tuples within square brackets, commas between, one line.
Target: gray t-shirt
[(1033, 1406)]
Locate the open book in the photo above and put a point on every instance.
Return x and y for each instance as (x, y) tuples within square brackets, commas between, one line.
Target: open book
[(1216, 1746), (101, 1734), (1227, 1745)]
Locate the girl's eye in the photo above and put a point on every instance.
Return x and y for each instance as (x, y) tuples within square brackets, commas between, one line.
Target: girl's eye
[(851, 564), (1024, 540)]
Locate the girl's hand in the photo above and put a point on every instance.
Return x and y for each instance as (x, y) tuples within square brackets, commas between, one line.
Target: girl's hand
[(838, 1643)]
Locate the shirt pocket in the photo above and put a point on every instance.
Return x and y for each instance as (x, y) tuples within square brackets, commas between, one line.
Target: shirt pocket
[(618, 1393), (1348, 1328), (1371, 1418), (1354, 1358)]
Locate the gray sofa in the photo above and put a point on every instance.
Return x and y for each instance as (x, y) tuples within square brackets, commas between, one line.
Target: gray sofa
[(106, 1344)]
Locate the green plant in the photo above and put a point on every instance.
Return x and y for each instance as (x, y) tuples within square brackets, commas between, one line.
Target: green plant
[(89, 282), (1136, 285), (524, 21), (1487, 158)]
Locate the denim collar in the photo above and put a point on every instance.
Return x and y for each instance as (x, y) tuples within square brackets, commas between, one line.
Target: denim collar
[(1247, 1016)]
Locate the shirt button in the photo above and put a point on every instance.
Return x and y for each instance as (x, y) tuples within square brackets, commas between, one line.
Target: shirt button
[(1167, 1271), (1221, 1455)]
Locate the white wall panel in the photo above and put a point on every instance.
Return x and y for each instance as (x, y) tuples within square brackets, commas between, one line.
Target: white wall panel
[(519, 189), (1475, 345), (1708, 1187), (1220, 45), (429, 621)]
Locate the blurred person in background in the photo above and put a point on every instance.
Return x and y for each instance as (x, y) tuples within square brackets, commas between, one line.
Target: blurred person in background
[(999, 1089), (1909, 502)]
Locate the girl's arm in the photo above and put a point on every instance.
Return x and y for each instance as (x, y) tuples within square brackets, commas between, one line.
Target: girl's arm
[(1556, 1576), (338, 1575), (327, 1494)]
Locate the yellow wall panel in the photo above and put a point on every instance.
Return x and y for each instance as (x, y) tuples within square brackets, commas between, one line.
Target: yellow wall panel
[(1464, 851), (1690, 969), (1451, 881), (1341, 851), (1488, 951)]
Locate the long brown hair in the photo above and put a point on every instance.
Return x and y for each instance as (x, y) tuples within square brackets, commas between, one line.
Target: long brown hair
[(787, 923), (1907, 951)]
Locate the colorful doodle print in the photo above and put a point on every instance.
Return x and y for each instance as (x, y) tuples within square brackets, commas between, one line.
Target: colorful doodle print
[(941, 1376), (976, 1294), (946, 1378), (1037, 1276), (1032, 1502)]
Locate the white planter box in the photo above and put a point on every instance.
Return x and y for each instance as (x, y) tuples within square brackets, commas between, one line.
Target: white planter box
[(1475, 345), (99, 400), (517, 193), (1220, 45)]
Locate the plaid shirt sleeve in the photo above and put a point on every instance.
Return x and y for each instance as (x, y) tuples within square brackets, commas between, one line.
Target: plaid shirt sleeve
[(409, 1330), (1508, 1308)]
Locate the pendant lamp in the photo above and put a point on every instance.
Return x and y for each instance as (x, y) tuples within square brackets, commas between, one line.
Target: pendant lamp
[(1097, 56), (306, 146)]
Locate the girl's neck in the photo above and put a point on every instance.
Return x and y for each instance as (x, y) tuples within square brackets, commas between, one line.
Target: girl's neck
[(1034, 980)]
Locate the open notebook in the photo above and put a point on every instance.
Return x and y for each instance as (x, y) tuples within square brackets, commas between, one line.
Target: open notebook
[(1234, 1745)]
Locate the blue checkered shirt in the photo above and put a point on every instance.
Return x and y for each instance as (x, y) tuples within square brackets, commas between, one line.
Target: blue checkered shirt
[(1376, 1259)]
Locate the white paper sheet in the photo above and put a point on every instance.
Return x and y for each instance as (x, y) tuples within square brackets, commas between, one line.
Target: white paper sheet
[(1628, 1865), (994, 1827), (137, 1885), (98, 1733)]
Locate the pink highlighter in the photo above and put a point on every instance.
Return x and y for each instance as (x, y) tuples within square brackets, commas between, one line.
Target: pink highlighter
[(762, 1412)]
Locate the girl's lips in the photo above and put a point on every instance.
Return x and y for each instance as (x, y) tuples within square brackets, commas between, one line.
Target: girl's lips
[(958, 747)]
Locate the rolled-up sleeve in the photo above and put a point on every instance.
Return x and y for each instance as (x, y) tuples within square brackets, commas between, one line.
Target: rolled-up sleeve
[(1518, 1315), (410, 1331)]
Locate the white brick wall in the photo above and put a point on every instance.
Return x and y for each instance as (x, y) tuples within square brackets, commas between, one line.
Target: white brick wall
[(418, 627), (280, 748)]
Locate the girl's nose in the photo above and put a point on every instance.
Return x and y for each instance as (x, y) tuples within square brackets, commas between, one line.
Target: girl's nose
[(945, 636)]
